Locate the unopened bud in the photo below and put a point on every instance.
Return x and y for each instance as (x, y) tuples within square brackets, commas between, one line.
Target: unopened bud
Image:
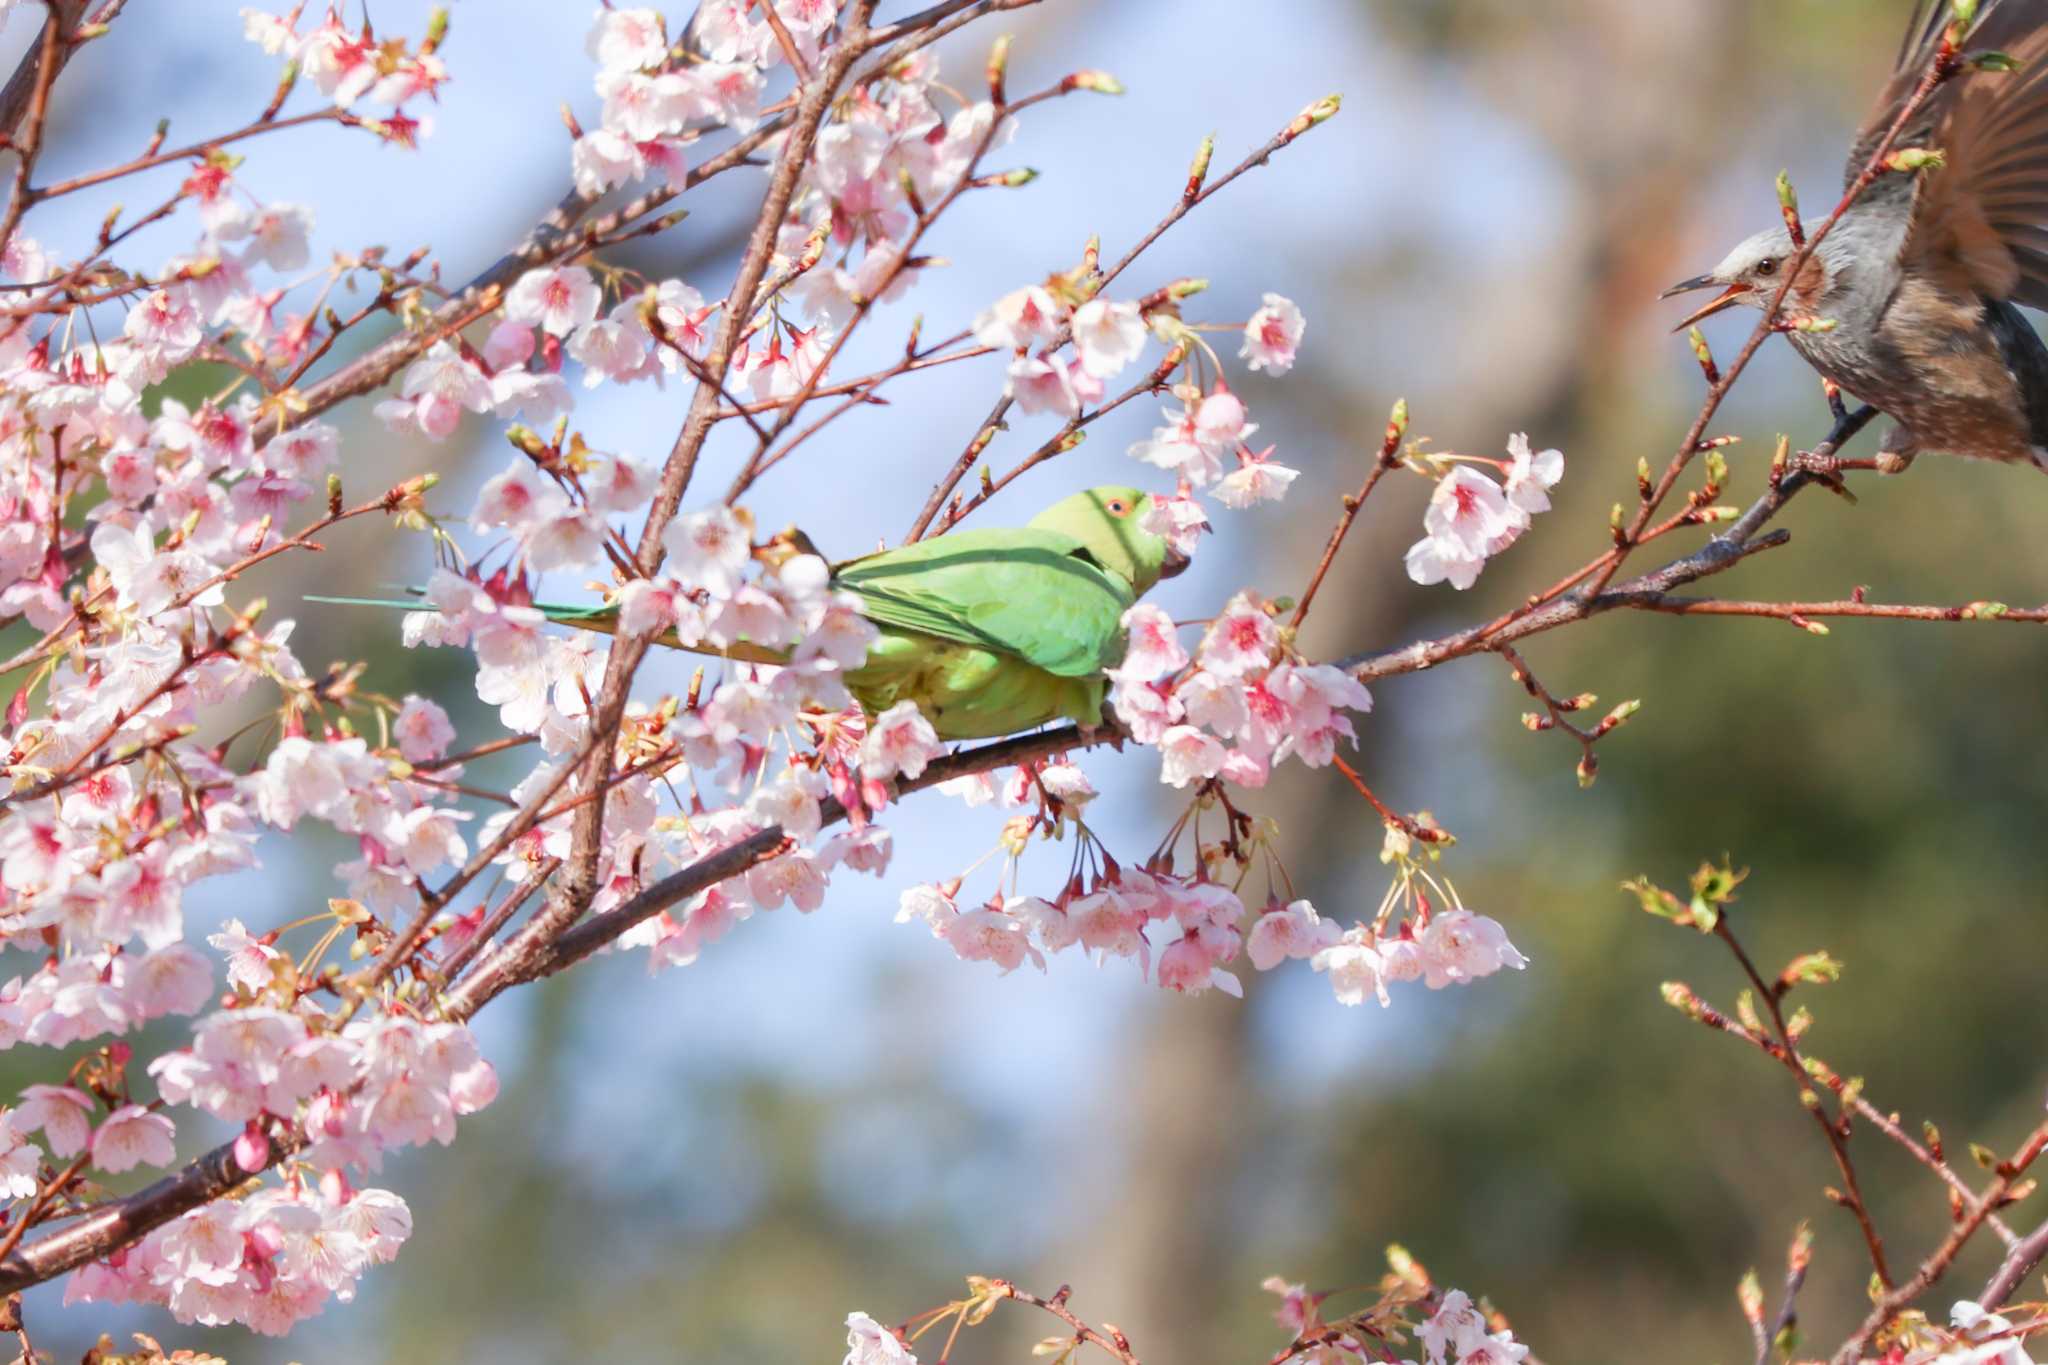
[(998, 66), (1321, 111), (1533, 722), (1008, 180), (526, 440), (1810, 627), (1994, 61), (1750, 1293), (1619, 716), (1397, 431), (1965, 11), (1589, 771), (1717, 468), (1679, 996), (1985, 611), (1788, 205), (1702, 354), (334, 495), (1186, 288), (1199, 171), (1101, 82), (1643, 485), (437, 30), (1799, 1023), (1909, 160), (1069, 441)]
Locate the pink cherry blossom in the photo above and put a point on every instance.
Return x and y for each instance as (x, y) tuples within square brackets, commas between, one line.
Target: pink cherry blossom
[(558, 300), (1459, 947), (1295, 931), (992, 935), (63, 1112), (1531, 476), (708, 549), (870, 1343), (900, 740), (1153, 647), (1256, 479), (627, 39), (1108, 336), (1353, 965), (1024, 319), (1273, 335), (133, 1136), (1240, 640), (1188, 755), (1042, 385)]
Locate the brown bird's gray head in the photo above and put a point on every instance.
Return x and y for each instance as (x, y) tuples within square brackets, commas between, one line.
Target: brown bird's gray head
[(1751, 274), (1918, 285)]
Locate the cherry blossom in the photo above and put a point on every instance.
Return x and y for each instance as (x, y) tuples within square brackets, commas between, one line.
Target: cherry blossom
[(1273, 335), (1108, 335), (133, 1136), (558, 301), (1292, 931), (870, 1343), (900, 740), (1024, 319)]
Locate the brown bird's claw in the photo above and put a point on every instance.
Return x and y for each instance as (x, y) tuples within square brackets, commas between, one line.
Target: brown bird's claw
[(1825, 468)]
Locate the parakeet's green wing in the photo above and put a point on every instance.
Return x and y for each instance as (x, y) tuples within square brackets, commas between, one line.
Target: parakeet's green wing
[(1033, 594)]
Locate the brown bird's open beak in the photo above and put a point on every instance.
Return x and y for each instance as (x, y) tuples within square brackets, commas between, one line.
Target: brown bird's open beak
[(1176, 563), (1728, 299)]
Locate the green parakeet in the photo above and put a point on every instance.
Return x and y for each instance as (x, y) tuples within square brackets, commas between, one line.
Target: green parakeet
[(991, 631)]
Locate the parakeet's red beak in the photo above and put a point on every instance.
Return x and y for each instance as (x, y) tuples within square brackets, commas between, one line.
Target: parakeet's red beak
[(1728, 299), (1176, 563)]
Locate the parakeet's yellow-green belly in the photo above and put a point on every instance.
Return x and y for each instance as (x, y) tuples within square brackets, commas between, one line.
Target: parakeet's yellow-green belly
[(968, 692)]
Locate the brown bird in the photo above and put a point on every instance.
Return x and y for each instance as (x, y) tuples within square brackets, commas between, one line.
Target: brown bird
[(1920, 276)]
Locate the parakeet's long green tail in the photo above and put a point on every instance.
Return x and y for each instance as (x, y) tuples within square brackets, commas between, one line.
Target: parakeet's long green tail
[(603, 619)]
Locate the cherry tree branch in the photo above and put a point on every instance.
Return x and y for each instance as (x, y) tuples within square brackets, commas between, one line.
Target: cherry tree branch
[(2019, 1262), (1193, 195)]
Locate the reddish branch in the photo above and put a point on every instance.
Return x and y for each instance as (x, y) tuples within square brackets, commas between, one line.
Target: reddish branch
[(943, 491), (1785, 1048), (1939, 71)]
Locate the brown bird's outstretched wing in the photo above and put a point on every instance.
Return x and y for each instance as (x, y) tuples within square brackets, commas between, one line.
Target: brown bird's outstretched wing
[(1982, 216)]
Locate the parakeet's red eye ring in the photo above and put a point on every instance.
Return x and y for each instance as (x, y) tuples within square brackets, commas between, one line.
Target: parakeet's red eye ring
[(1118, 507)]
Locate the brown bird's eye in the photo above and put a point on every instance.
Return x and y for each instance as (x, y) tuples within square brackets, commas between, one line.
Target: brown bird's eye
[(1767, 267), (1118, 507)]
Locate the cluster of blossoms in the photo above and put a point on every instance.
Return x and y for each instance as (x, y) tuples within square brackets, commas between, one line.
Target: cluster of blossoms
[(121, 802), (1456, 1333), (267, 1261), (1471, 518), (1206, 436), (1116, 914), (1239, 704), (347, 67), (124, 795)]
